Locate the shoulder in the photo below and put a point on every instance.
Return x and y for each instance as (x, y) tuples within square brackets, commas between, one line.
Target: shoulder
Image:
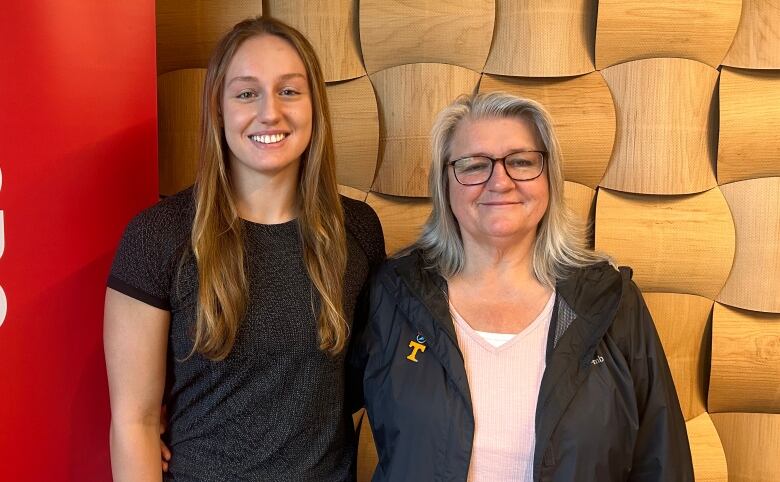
[(632, 327), (411, 267), (362, 223), (169, 214), (162, 228), (585, 287), (153, 241)]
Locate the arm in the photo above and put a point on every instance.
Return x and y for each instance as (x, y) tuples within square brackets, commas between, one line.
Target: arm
[(135, 341), (662, 451)]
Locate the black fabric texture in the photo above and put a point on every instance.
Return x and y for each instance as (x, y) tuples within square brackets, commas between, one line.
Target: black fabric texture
[(274, 409)]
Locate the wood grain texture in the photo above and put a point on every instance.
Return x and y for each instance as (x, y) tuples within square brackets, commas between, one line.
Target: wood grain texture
[(352, 193), (709, 460), (666, 127), (676, 244), (397, 32), (331, 27), (682, 322), (187, 32), (751, 442), (756, 44), (401, 218), (178, 118), (580, 200), (409, 97), (355, 120), (754, 282), (745, 374), (543, 38), (749, 144), (583, 116), (700, 30)]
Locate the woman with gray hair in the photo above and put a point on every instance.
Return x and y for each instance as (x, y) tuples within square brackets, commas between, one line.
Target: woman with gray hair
[(499, 347)]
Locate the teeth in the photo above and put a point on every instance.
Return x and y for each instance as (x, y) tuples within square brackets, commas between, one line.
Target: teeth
[(268, 139)]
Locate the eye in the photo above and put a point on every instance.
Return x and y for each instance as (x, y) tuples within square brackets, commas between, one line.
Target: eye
[(520, 162), (524, 160), (472, 164), (288, 92), (246, 94)]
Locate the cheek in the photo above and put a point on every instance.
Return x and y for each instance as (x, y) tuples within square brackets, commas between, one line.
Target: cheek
[(541, 193), (544, 194), (459, 201), (232, 121), (303, 112)]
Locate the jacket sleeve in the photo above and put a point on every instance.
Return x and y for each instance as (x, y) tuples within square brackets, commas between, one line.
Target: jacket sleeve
[(662, 452)]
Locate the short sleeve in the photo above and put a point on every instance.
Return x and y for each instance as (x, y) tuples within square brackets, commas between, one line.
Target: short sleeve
[(142, 264)]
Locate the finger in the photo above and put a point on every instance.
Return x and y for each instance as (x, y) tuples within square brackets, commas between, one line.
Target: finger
[(163, 418), (165, 466), (166, 452)]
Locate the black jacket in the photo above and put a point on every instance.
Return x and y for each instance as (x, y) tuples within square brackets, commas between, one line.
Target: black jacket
[(607, 407)]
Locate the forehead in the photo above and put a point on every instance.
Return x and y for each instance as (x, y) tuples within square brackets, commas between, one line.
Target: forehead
[(265, 57), (494, 136)]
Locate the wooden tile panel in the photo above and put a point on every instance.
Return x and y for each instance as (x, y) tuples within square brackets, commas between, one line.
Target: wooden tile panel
[(700, 30), (543, 38), (397, 32), (745, 373), (676, 244), (355, 121), (666, 127), (331, 27)]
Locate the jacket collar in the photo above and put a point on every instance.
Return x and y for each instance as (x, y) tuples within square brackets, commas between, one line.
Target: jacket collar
[(593, 293)]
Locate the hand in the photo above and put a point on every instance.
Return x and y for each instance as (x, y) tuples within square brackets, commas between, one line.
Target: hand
[(165, 452)]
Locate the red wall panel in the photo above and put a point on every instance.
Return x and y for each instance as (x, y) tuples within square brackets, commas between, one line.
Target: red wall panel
[(78, 153)]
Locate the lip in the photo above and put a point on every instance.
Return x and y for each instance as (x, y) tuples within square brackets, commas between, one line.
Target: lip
[(500, 203)]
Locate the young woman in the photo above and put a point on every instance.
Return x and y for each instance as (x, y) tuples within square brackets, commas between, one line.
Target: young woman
[(231, 301)]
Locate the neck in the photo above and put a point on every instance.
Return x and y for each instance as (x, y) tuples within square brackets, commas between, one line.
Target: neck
[(270, 199), (508, 260)]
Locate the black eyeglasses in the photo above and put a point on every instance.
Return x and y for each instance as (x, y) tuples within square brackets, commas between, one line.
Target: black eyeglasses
[(520, 166)]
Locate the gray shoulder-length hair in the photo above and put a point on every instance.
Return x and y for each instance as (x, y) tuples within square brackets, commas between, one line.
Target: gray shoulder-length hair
[(561, 240)]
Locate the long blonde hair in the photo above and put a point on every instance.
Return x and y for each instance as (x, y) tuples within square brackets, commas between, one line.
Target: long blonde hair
[(561, 241), (217, 233)]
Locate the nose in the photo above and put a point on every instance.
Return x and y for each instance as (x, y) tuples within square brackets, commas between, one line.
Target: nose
[(499, 179), (268, 111)]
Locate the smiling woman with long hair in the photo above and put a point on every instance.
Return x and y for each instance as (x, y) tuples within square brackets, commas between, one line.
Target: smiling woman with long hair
[(231, 301)]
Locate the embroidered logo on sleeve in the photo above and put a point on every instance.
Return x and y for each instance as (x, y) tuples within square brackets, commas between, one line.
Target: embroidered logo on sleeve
[(597, 360), (418, 344)]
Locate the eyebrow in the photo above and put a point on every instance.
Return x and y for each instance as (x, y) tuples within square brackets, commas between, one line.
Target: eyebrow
[(485, 154), (251, 78)]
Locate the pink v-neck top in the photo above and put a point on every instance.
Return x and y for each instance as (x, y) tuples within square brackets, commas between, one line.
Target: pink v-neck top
[(504, 382)]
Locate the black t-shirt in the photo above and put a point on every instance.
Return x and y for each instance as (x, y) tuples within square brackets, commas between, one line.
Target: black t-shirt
[(274, 408)]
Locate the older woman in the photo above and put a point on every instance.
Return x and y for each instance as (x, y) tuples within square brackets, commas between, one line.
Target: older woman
[(500, 348)]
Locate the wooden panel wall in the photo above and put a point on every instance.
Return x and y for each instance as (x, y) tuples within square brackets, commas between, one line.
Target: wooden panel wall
[(671, 157)]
